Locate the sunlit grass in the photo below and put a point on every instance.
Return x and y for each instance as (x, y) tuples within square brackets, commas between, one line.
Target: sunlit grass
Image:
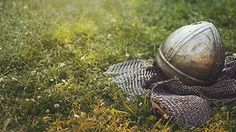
[(53, 54), (68, 32)]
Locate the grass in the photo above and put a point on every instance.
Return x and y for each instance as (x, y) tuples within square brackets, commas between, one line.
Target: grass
[(53, 54)]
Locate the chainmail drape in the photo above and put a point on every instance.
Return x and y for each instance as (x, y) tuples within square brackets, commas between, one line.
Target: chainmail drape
[(186, 105)]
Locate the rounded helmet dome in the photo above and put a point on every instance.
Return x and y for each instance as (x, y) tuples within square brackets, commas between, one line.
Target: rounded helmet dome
[(193, 53)]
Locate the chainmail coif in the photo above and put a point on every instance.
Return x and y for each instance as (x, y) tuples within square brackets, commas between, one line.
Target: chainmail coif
[(185, 105)]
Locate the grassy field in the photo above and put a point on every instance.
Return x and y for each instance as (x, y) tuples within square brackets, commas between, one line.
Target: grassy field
[(53, 54)]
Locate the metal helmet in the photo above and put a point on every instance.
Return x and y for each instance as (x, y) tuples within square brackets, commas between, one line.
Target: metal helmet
[(193, 53)]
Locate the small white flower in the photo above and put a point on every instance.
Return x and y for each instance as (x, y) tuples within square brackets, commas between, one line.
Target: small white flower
[(127, 54), (61, 64), (64, 81), (33, 72), (223, 108), (110, 79), (27, 100), (32, 100), (1, 98), (56, 105), (14, 79), (140, 104), (47, 111), (82, 58), (1, 79), (76, 116)]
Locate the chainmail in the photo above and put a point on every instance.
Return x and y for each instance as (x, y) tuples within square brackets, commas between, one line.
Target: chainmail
[(185, 105)]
